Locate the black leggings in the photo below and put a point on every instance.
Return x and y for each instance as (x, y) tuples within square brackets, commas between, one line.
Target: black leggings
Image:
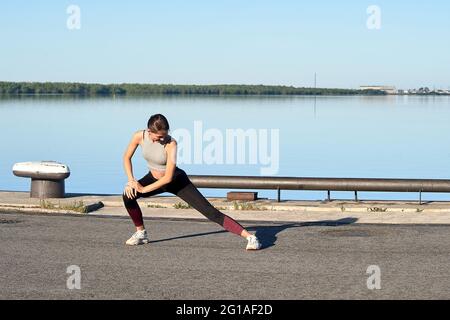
[(182, 187)]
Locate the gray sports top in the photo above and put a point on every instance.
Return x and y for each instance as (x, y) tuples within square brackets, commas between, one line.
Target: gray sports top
[(154, 152)]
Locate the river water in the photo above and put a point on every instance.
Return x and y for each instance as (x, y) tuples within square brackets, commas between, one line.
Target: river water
[(333, 136)]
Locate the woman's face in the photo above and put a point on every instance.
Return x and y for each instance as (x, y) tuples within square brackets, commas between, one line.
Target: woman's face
[(158, 136)]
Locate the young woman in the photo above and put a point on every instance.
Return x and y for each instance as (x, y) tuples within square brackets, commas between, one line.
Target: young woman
[(159, 149)]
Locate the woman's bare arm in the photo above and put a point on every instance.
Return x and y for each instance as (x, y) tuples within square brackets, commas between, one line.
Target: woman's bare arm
[(129, 152)]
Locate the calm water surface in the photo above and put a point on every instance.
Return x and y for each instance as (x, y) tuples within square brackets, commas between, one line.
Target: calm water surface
[(374, 137)]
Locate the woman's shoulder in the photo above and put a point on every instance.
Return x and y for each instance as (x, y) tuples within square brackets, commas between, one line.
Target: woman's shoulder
[(170, 141), (139, 135), (139, 132)]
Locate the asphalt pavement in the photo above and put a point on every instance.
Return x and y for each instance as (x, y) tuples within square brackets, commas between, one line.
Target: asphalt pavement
[(40, 254)]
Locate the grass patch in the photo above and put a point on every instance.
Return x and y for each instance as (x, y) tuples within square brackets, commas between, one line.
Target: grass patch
[(154, 206), (182, 205), (77, 206), (246, 206), (376, 209)]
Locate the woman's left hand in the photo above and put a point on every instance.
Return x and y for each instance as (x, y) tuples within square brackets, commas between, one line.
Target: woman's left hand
[(139, 188)]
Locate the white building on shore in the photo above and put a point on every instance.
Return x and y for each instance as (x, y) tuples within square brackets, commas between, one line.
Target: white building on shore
[(387, 89)]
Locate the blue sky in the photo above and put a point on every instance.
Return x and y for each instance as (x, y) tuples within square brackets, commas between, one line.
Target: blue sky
[(241, 42)]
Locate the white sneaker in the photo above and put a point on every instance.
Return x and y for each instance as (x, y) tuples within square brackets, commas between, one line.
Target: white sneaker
[(253, 243), (139, 237)]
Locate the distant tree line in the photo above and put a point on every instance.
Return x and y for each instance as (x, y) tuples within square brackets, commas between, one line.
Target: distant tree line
[(94, 89)]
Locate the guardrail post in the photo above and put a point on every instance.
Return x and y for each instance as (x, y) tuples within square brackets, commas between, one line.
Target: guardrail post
[(278, 194), (356, 196), (328, 194), (420, 196)]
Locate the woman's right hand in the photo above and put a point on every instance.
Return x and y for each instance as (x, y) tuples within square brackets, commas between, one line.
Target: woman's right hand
[(129, 191)]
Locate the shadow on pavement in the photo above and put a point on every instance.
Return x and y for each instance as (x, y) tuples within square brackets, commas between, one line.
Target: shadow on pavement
[(268, 234)]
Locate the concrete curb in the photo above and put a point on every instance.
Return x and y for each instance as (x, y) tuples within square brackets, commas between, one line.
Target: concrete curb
[(348, 207), (268, 210), (87, 208), (94, 206)]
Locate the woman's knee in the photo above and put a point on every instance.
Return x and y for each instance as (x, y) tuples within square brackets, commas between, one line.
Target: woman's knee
[(180, 179), (127, 200)]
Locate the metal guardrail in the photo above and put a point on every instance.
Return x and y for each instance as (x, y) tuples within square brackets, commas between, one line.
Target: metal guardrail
[(328, 184)]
